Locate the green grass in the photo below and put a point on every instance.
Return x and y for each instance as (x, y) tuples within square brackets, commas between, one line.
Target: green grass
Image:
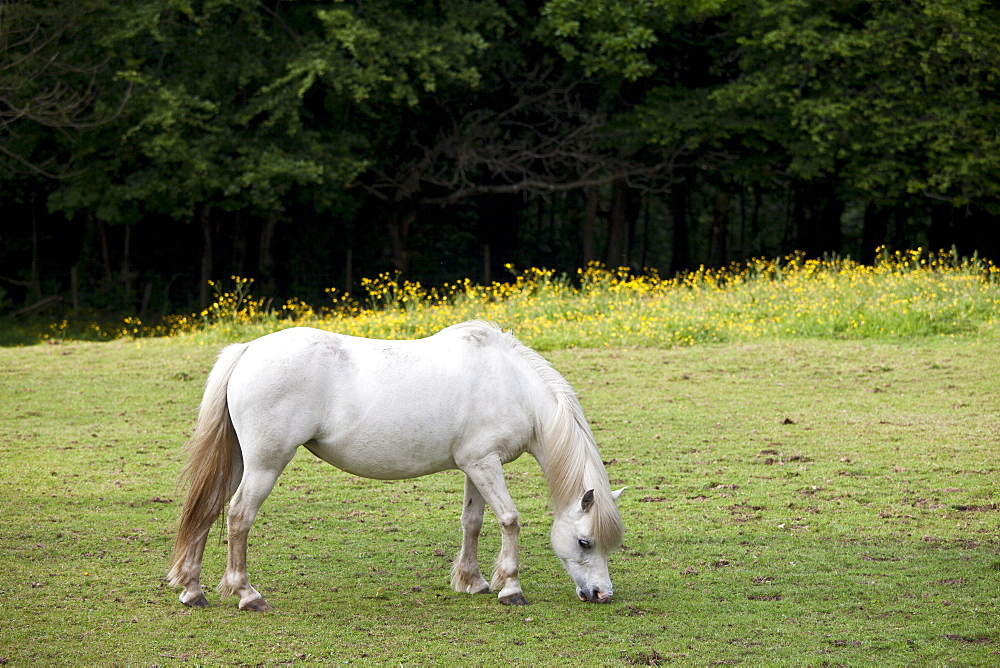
[(792, 502)]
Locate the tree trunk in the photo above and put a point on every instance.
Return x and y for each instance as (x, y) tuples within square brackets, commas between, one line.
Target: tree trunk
[(874, 229), (102, 229), (399, 228), (147, 297), (74, 288), (756, 244), (618, 227), (126, 275), (644, 239), (165, 307), (718, 237), (34, 280), (81, 274), (206, 258), (265, 259), (900, 233), (239, 244), (941, 233), (349, 270), (680, 204), (589, 216), (817, 212)]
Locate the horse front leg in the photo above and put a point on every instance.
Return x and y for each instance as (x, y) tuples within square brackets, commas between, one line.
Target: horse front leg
[(465, 575), (487, 475)]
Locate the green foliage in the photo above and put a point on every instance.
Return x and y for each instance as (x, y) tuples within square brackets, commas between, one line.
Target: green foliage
[(57, 80), (235, 105), (390, 55), (209, 127), (901, 97), (615, 36), (333, 126), (896, 99)]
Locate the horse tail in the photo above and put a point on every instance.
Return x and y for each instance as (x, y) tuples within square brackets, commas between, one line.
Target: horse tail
[(213, 455)]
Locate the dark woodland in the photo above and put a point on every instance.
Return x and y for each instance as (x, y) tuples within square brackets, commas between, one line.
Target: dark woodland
[(147, 147)]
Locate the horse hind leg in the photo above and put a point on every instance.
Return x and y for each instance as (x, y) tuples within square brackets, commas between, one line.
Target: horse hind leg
[(186, 572), (465, 575), (257, 483)]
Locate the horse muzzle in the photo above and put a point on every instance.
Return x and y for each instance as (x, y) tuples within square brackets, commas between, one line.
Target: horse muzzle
[(594, 595)]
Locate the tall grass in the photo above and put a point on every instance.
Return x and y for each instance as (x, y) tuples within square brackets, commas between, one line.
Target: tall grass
[(904, 294)]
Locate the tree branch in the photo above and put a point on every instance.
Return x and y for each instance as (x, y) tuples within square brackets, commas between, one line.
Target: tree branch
[(554, 135), (43, 80)]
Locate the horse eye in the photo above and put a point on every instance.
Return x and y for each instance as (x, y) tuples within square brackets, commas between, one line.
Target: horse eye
[(584, 543)]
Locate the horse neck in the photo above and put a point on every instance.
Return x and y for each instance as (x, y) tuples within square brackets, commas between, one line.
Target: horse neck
[(566, 449), (570, 459), (572, 465)]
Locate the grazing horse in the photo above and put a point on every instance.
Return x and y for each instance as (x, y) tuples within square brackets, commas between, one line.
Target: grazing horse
[(470, 397)]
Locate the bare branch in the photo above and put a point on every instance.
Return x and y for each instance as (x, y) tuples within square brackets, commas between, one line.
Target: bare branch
[(29, 166), (42, 79), (552, 136)]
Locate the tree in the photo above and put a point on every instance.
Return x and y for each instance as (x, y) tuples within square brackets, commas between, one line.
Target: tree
[(205, 131), (888, 101), (298, 141), (900, 98)]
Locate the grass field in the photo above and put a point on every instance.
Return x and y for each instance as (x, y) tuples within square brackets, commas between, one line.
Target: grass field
[(810, 450), (797, 502)]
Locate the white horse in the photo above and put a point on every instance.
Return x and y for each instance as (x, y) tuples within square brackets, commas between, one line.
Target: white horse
[(470, 397)]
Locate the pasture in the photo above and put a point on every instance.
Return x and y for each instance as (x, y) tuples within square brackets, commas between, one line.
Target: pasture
[(797, 501)]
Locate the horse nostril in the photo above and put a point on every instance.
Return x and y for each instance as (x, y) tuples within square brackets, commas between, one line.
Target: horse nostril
[(594, 595), (598, 596)]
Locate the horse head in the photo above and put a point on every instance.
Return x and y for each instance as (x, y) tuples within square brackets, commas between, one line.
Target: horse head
[(582, 537)]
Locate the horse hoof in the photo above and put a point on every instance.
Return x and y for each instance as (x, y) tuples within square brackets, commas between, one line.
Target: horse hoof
[(200, 602), (256, 605), (483, 590), (514, 599)]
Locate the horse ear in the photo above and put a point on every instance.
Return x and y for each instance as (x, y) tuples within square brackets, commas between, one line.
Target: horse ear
[(617, 493), (588, 500)]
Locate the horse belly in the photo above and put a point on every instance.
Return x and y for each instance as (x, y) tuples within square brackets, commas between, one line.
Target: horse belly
[(386, 454)]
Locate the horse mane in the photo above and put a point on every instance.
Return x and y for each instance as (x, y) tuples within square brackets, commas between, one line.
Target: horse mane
[(572, 462)]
